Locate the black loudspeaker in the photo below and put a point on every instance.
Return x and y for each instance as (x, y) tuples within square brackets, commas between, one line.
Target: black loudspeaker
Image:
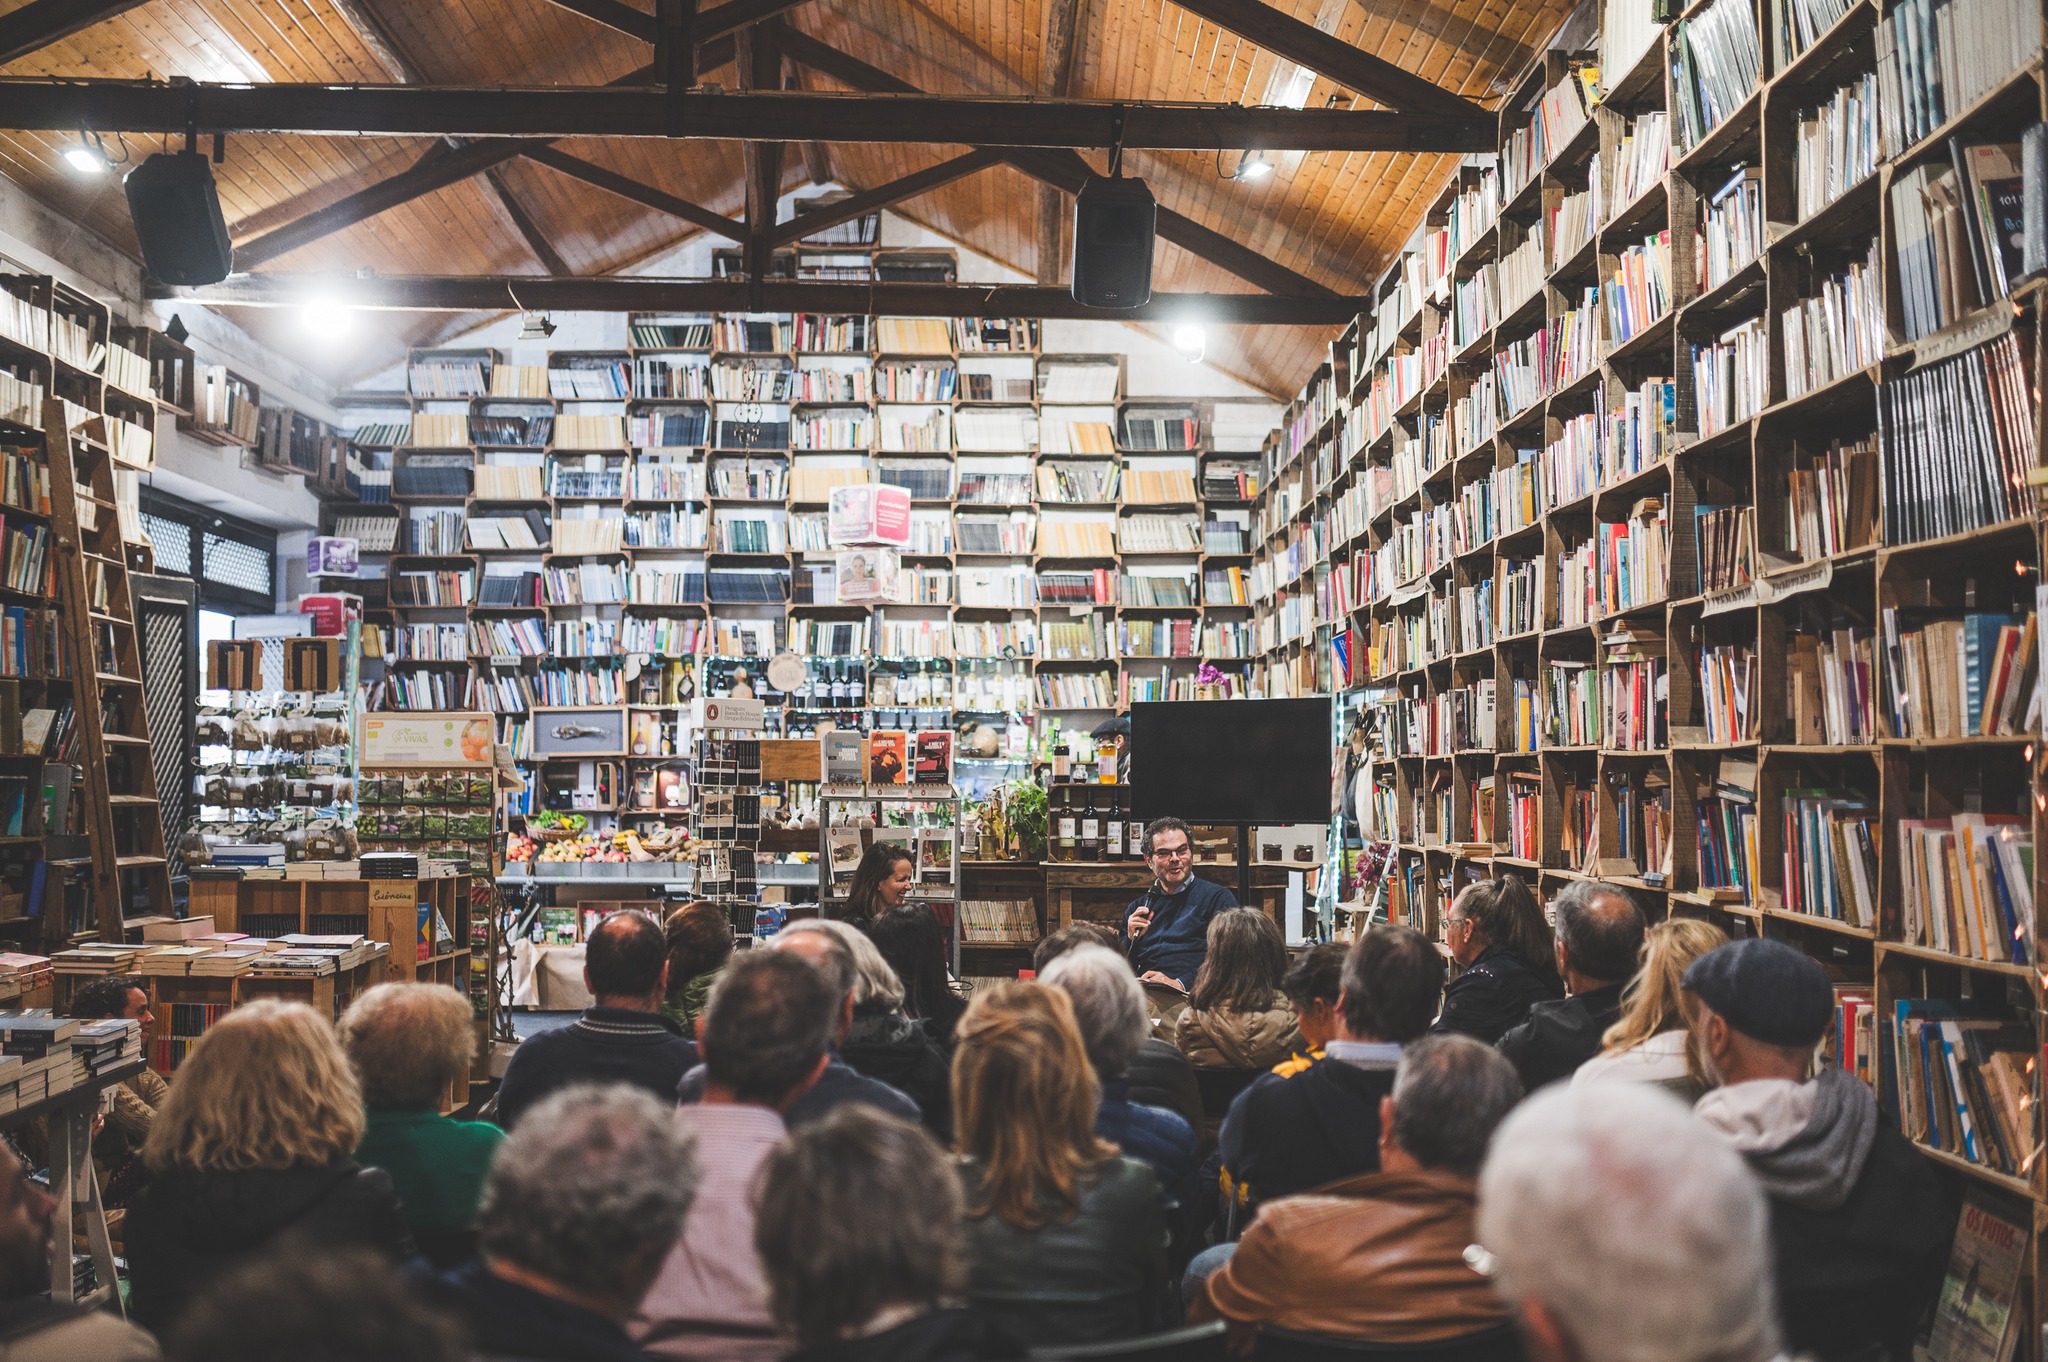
[(177, 219), (1114, 222)]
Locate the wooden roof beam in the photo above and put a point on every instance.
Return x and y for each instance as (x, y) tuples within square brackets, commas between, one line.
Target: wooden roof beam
[(883, 196), (1306, 45), (770, 115), (712, 23), (39, 23), (760, 63), (617, 293), (1058, 82), (523, 222), (646, 195)]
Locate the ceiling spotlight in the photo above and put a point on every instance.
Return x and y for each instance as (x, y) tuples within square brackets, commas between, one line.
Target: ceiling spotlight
[(1192, 340), (326, 317), (535, 326), (87, 158), (1253, 166)]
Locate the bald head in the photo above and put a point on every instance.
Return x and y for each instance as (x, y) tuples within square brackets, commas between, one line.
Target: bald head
[(625, 962), (1599, 935), (830, 955)]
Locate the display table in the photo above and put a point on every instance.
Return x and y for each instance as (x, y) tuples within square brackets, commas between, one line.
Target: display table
[(74, 1184)]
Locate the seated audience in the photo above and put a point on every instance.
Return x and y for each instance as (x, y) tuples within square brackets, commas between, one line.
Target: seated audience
[(1166, 932), (1599, 934), (581, 1208), (253, 1145), (117, 1145), (912, 941), (410, 1044), (621, 1038), (1066, 1238), (1290, 1131), (34, 1328), (1620, 1229), (1237, 1017), (1109, 1008), (1160, 1075), (1313, 984), (859, 1231), (699, 937), (1496, 933), (1381, 1256), (883, 1044), (1860, 1224), (1649, 1043), (764, 1039), (338, 1305)]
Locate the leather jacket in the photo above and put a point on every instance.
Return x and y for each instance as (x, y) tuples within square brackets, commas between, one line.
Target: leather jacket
[(1098, 1275)]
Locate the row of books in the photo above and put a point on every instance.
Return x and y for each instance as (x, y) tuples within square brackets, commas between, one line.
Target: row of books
[(1966, 885), (1971, 676)]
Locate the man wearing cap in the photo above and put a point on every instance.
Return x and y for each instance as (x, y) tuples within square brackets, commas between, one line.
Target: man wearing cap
[(1860, 1224)]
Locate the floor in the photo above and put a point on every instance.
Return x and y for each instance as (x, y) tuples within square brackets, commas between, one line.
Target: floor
[(526, 1022)]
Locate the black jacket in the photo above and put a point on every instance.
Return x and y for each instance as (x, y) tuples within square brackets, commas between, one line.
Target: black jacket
[(1493, 995), (840, 1082), (898, 1051), (941, 1336), (1299, 1128), (1098, 1275), (188, 1227), (604, 1045), (505, 1319), (1560, 1036), (1160, 1076)]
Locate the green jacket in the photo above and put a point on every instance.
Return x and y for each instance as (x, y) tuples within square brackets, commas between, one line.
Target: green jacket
[(686, 1004), (438, 1163)]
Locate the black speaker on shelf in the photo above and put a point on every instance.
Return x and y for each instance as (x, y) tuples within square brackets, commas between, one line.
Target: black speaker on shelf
[(1114, 222), (176, 209)]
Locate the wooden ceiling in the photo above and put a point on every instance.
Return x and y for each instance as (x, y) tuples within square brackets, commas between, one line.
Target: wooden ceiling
[(1331, 216)]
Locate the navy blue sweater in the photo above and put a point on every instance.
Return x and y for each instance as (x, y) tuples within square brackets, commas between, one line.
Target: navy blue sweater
[(1178, 940)]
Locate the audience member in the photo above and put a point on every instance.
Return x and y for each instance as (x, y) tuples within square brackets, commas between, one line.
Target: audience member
[(859, 1231), (880, 882), (1237, 1017), (1313, 983), (621, 1038), (1650, 1043), (881, 1043), (1166, 932), (1496, 933), (1620, 1229), (117, 1145), (1599, 935), (411, 1043), (765, 1037), (1160, 1075), (1066, 1238), (581, 1207), (1860, 1225), (34, 1328), (912, 941), (699, 937), (337, 1305), (1381, 1256), (1290, 1131), (1109, 1009), (254, 1144)]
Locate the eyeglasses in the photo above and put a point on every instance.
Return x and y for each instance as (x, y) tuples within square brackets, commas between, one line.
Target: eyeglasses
[(1172, 853)]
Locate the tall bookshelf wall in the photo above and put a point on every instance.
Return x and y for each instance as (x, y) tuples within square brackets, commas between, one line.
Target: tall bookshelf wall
[(1424, 496)]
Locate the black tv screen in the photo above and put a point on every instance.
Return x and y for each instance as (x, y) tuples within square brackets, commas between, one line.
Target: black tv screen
[(1231, 761)]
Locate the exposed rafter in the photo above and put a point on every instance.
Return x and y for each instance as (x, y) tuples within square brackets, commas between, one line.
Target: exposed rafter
[(883, 196), (41, 22), (729, 17), (432, 293), (752, 115), (760, 63), (522, 221), (637, 23), (554, 158), (1062, 29)]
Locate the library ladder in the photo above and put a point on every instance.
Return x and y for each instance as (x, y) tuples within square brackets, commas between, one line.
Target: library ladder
[(123, 819)]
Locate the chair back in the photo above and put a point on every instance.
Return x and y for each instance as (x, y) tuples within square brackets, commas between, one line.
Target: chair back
[(1220, 1087), (1498, 1344), (1197, 1343)]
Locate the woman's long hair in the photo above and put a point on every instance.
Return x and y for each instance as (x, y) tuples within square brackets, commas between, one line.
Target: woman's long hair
[(912, 941), (1505, 913), (1653, 1001), (268, 1086), (863, 896), (1024, 1099), (1246, 961), (699, 937)]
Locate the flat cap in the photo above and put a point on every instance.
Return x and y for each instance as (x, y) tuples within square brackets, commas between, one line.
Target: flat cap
[(1765, 990)]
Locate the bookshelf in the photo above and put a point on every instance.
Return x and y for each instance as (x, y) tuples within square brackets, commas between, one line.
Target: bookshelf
[(1646, 619)]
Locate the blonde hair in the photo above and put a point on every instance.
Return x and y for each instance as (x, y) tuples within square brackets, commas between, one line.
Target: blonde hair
[(1024, 1098), (267, 1087), (1653, 1002), (409, 1044)]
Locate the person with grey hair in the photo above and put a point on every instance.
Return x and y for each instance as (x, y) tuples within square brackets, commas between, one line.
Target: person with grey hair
[(883, 1044), (581, 1207), (1381, 1257), (1599, 933), (1109, 1007), (1620, 1229)]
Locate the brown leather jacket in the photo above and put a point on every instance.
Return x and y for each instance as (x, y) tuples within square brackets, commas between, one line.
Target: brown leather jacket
[(1226, 1038), (1378, 1257)]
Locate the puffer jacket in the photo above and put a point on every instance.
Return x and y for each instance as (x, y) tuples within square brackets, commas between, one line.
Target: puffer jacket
[(1227, 1038)]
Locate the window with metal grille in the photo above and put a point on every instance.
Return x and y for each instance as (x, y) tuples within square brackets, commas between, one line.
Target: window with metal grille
[(172, 541), (233, 562)]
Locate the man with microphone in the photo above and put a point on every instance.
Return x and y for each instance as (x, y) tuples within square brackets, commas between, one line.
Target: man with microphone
[(1166, 933)]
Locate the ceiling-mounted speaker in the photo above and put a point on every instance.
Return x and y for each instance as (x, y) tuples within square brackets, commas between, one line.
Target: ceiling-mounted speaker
[(176, 209), (1114, 223)]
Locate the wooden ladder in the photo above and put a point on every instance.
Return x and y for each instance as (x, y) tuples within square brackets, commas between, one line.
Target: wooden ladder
[(123, 819)]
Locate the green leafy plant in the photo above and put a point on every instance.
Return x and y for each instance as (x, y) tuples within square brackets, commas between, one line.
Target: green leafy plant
[(1027, 817)]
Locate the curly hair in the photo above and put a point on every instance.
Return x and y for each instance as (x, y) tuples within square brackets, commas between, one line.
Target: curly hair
[(106, 996), (409, 1043), (267, 1087)]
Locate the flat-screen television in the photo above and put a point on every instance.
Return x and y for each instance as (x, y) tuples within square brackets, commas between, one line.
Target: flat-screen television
[(1231, 761)]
